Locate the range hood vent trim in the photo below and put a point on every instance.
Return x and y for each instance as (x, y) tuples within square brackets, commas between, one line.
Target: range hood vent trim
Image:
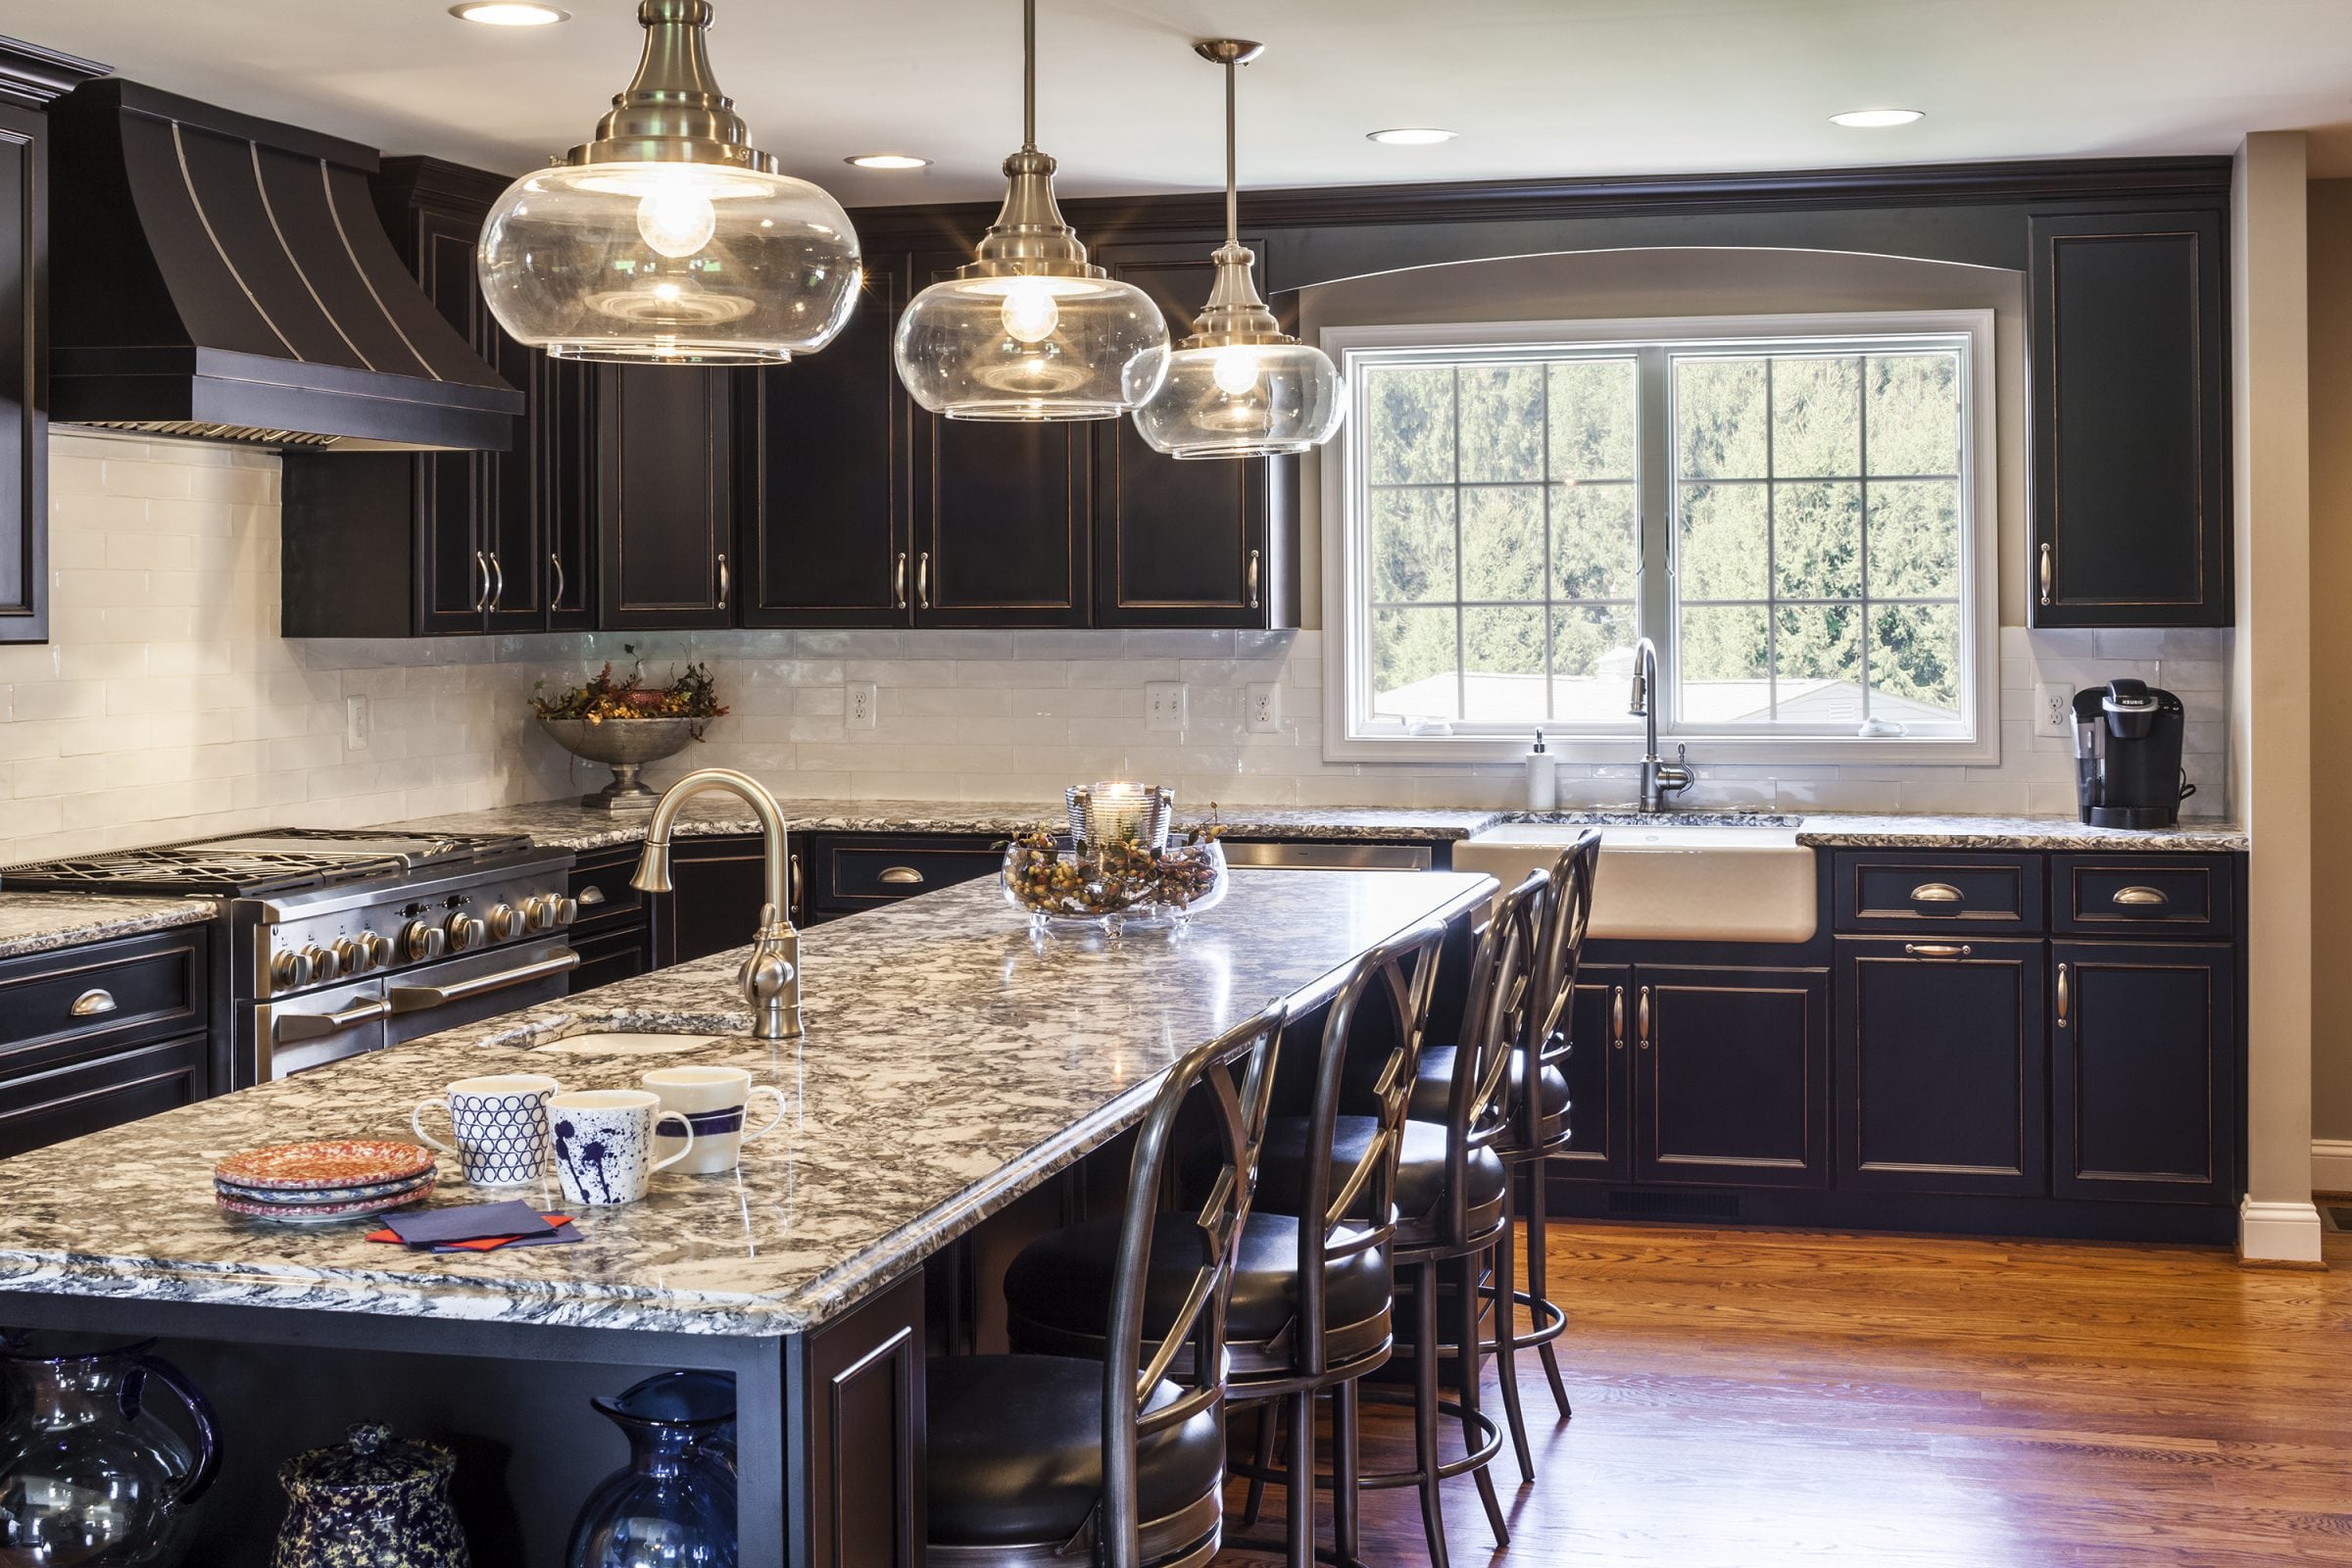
[(221, 278)]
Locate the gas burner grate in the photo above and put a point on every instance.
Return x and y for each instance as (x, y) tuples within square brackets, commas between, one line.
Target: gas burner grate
[(260, 864)]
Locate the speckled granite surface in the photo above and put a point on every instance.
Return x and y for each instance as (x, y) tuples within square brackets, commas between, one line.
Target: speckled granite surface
[(948, 1066), (37, 922), (565, 825)]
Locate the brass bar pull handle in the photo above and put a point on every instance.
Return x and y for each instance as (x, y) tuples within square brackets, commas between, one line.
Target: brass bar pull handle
[(498, 591), (2062, 998), (592, 894), (922, 580), (2045, 574), (898, 584), (2140, 896), (481, 566), (1617, 1016), (1935, 950), (90, 1003), (1254, 563), (903, 876), (555, 594), (1935, 893), (794, 894), (722, 580), (1644, 1026)]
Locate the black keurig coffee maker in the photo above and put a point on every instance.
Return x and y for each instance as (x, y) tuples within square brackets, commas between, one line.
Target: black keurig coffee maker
[(2128, 755)]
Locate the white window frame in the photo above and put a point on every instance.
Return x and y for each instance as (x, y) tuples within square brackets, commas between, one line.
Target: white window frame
[(1347, 737)]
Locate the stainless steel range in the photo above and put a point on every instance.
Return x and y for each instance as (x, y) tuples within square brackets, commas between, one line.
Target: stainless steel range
[(343, 942)]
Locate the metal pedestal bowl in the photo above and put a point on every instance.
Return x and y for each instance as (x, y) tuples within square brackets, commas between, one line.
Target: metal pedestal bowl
[(625, 746)]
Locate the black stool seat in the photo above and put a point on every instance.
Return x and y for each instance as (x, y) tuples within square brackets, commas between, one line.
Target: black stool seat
[(1059, 1291), (1433, 1087), (1420, 1174), (1014, 1452)]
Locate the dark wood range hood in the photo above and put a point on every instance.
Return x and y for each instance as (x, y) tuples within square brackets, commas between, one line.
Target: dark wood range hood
[(220, 277)]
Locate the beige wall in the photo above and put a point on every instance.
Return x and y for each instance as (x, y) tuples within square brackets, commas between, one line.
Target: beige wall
[(2271, 713), (2331, 259)]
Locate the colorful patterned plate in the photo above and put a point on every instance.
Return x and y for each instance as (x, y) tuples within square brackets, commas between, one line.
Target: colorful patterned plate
[(322, 1167), (321, 1214), (304, 1197)]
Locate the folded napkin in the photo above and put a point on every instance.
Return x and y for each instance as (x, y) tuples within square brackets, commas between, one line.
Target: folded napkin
[(467, 1222), (564, 1231)]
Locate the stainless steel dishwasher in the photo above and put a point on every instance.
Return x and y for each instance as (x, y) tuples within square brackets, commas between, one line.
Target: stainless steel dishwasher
[(1328, 855)]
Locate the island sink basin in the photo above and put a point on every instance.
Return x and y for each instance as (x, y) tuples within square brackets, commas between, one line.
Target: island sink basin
[(632, 1043), (1671, 881)]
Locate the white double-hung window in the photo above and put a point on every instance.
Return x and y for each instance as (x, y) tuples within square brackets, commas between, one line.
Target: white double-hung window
[(1798, 513)]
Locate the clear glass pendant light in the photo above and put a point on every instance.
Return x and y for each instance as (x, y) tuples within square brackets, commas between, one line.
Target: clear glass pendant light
[(1031, 329), (669, 238), (1240, 386)]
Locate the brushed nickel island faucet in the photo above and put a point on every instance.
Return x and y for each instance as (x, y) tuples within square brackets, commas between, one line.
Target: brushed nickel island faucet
[(770, 977)]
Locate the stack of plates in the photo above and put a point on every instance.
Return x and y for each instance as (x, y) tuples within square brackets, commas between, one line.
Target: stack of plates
[(313, 1184)]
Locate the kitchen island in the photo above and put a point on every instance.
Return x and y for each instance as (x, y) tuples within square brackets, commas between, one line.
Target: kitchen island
[(950, 1066)]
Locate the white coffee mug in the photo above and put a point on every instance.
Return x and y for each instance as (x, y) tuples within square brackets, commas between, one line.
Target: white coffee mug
[(500, 1123), (713, 1100), (603, 1143)]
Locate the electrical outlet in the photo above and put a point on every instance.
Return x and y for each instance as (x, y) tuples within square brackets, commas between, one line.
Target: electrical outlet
[(1262, 709), (354, 723), (1163, 704), (862, 701), (2053, 710)]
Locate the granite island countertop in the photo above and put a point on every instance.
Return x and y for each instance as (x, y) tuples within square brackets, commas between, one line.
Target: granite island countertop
[(42, 922), (950, 1065), (565, 824)]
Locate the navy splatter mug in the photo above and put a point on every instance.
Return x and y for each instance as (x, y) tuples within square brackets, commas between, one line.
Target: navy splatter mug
[(603, 1143)]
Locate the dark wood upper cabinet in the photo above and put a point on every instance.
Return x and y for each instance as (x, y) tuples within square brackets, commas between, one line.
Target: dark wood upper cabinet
[(2130, 443), (665, 498), (825, 475), (1204, 543)]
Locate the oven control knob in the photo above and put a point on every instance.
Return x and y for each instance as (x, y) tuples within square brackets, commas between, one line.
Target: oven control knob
[(350, 956), (465, 931), (375, 951), (323, 964), (421, 942), (290, 969), (506, 921), (546, 910)]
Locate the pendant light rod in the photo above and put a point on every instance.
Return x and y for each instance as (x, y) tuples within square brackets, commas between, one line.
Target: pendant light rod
[(1232, 54), (1029, 75)]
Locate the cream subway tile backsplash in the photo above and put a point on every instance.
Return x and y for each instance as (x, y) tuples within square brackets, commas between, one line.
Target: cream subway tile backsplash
[(168, 705)]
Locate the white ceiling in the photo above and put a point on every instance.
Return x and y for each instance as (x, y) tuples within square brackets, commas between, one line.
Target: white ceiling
[(1536, 87)]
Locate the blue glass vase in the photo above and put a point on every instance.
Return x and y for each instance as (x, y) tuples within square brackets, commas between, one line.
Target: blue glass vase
[(673, 1505)]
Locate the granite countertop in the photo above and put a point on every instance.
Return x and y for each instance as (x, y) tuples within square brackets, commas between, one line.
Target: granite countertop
[(565, 824), (950, 1065), (38, 922)]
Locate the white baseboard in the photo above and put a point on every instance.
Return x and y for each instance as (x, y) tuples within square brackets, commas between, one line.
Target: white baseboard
[(2331, 1164), (2278, 1232)]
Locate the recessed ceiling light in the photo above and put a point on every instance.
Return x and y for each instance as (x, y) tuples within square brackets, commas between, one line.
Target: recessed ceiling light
[(1876, 119), (1410, 136), (509, 12), (887, 161)]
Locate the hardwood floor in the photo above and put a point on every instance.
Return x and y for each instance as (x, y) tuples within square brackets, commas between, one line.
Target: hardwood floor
[(1767, 1397)]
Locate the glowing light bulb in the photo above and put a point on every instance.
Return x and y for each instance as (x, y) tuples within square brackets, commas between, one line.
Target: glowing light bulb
[(1235, 370), (676, 219), (1029, 313)]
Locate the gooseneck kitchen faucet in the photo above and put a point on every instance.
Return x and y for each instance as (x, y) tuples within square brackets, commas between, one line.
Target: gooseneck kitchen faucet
[(770, 977), (1659, 779)]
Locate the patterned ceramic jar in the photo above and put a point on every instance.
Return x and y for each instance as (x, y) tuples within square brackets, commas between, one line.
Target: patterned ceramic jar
[(370, 1503)]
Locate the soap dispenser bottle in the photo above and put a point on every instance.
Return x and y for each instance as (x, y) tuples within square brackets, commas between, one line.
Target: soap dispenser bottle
[(1543, 783)]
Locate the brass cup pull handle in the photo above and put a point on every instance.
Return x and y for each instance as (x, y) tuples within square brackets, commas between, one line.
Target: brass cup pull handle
[(1643, 1028), (2045, 574), (901, 876), (2140, 897), (1617, 1016), (90, 1003), (1935, 950), (2062, 996), (1936, 893), (590, 896)]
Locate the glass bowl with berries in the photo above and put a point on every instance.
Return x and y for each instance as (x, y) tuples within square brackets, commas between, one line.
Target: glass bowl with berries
[(1066, 884)]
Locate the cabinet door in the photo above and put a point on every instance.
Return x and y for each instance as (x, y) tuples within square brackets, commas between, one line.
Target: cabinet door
[(511, 505), (2144, 1090), (1001, 516), (859, 1379), (2128, 444), (713, 905), (562, 426), (665, 499), (1729, 1079), (455, 491), (23, 390), (1187, 544), (826, 470), (1940, 1066), (1600, 1104)]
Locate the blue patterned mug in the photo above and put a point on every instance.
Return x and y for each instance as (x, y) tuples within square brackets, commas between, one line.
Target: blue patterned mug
[(715, 1102), (500, 1124), (604, 1143)]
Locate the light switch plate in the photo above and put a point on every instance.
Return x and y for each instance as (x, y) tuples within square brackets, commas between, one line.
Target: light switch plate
[(356, 723), (1163, 704), (1261, 712), (2053, 710), (859, 711)]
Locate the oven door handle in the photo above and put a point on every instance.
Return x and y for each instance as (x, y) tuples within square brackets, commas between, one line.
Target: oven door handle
[(289, 1027), (416, 999)]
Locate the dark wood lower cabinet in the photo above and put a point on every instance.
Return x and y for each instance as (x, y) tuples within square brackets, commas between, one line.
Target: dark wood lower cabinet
[(2143, 1086), (1940, 1066), (717, 883), (1729, 1072), (54, 1104), (1598, 1071), (860, 1389)]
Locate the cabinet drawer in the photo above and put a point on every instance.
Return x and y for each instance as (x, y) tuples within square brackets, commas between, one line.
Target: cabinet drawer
[(49, 1106), (859, 873), (107, 994), (2190, 896), (615, 956), (1991, 894), (601, 884)]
